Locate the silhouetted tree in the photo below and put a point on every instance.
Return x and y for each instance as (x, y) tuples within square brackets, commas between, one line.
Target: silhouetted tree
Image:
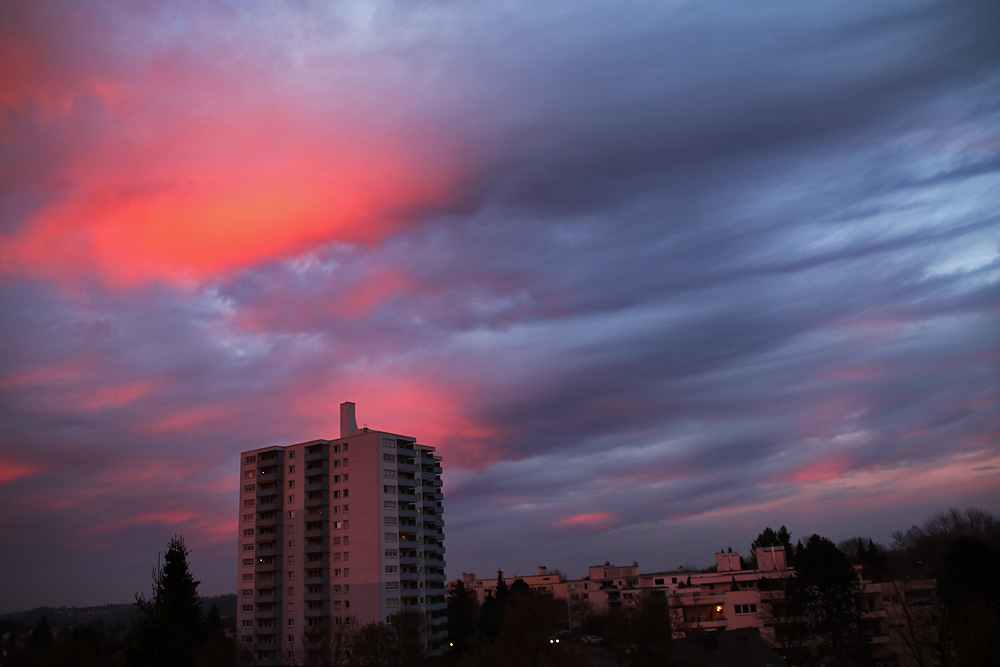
[(168, 628), (462, 611), (398, 643), (41, 636), (528, 619), (823, 604), (970, 591), (494, 606)]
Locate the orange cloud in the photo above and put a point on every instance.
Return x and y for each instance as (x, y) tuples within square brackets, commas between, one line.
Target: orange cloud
[(139, 224), (592, 521), (171, 169)]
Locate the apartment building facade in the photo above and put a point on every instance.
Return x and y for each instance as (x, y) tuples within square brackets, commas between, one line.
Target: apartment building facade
[(337, 533)]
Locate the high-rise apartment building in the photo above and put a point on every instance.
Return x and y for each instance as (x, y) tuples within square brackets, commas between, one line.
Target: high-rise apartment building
[(338, 532)]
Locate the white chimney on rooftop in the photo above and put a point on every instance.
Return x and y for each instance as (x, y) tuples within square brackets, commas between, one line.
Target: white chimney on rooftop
[(348, 422)]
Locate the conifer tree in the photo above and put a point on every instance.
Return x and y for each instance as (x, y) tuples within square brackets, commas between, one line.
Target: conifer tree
[(168, 628)]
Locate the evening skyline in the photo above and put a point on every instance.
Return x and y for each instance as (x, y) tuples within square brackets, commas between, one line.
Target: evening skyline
[(648, 276)]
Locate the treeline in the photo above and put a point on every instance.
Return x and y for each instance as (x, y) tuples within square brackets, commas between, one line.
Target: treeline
[(943, 576), (168, 628)]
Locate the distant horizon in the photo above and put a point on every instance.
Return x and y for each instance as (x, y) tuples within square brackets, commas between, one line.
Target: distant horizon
[(528, 571)]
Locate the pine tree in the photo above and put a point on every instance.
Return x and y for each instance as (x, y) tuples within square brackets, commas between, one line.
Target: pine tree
[(168, 628)]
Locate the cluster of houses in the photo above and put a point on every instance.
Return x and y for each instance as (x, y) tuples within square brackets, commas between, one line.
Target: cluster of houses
[(734, 595)]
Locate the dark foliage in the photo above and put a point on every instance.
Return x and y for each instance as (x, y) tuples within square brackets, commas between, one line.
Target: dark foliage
[(169, 629), (823, 605), (463, 612)]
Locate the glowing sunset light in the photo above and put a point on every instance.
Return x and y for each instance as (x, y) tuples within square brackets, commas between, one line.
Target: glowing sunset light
[(591, 521), (630, 315)]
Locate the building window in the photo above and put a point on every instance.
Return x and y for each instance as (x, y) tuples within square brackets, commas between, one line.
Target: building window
[(388, 488), (291, 484), (392, 569), (387, 505), (746, 608), (247, 608), (247, 592), (390, 521), (291, 544), (392, 585), (248, 474), (291, 455), (249, 502), (392, 603), (291, 575), (389, 474), (248, 547), (345, 462), (391, 553), (250, 459), (391, 537), (248, 532), (291, 470), (389, 458), (247, 517), (291, 499)]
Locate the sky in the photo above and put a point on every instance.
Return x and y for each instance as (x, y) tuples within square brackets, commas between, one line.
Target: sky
[(651, 276)]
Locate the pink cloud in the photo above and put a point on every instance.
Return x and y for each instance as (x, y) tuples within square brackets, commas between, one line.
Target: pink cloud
[(12, 470), (595, 521)]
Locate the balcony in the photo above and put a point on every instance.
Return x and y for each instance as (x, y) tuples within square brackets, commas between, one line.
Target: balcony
[(316, 528), (317, 453), (316, 498), (262, 565), (317, 576), (269, 594)]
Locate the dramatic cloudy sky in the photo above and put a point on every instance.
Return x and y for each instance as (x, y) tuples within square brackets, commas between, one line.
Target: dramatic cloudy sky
[(650, 275)]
